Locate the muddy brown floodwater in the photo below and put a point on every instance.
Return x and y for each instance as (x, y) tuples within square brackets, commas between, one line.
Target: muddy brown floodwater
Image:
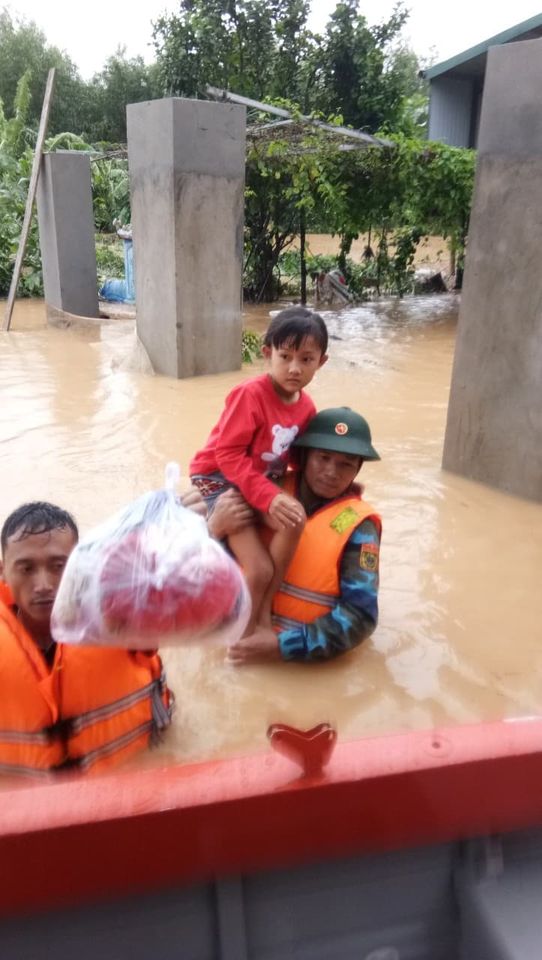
[(460, 635)]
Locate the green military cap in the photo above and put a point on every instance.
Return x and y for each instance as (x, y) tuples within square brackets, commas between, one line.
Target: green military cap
[(339, 429)]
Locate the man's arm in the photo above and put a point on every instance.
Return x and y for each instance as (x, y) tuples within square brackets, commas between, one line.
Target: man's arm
[(355, 616), (230, 515)]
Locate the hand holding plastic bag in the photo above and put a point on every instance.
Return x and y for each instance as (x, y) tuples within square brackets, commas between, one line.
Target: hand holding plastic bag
[(150, 576)]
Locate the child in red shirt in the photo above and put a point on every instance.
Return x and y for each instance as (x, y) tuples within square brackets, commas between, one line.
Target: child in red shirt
[(248, 449)]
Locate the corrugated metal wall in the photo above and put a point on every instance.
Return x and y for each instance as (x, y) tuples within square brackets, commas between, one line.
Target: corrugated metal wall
[(450, 111)]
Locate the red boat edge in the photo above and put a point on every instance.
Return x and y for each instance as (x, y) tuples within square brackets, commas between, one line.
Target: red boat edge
[(80, 840)]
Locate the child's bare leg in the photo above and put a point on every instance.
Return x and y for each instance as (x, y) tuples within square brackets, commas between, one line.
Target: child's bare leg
[(281, 551), (257, 566)]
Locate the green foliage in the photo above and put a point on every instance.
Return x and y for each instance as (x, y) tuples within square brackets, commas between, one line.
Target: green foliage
[(410, 95), (289, 269), (109, 257), (290, 263), (360, 75), (14, 131), (111, 193), (271, 215), (15, 170), (399, 193), (251, 346), (437, 181), (391, 271), (287, 184)]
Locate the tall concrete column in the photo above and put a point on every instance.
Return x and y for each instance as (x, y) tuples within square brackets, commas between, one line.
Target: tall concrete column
[(66, 230), (494, 428), (187, 168)]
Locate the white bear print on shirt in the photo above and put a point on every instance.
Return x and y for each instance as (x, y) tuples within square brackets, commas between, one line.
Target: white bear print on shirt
[(283, 437)]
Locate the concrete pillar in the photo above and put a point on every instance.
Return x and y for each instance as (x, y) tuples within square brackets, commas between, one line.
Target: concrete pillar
[(66, 229), (494, 428), (187, 165)]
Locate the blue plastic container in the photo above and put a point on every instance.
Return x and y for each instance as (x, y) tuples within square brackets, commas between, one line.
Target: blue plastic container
[(113, 290), (121, 291), (129, 270)]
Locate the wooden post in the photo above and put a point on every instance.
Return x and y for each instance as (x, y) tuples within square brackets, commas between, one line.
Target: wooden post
[(302, 230), (34, 176)]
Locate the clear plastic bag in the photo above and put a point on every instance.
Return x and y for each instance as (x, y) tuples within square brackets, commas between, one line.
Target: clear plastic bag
[(150, 576)]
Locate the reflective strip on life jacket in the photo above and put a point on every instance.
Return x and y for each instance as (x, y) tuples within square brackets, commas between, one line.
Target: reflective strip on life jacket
[(17, 770), (284, 623), (111, 699), (301, 593), (161, 718), (46, 735), (83, 730), (107, 750), (84, 720)]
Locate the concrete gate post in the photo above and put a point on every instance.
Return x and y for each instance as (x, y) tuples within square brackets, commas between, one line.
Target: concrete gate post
[(494, 428), (187, 166), (66, 230)]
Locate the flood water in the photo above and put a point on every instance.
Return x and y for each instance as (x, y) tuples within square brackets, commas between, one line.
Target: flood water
[(460, 636)]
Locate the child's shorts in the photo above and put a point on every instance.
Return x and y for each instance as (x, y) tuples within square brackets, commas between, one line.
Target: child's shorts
[(211, 486)]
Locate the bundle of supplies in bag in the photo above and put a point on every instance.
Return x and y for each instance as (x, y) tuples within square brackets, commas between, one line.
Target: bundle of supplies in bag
[(150, 576)]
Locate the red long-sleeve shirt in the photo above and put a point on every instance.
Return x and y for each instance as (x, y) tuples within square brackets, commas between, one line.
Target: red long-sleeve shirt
[(251, 439)]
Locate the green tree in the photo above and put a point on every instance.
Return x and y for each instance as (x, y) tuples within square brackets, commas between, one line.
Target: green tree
[(253, 47), (23, 47), (359, 77), (121, 81), (410, 94)]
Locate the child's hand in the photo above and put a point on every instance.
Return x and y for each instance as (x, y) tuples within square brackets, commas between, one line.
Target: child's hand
[(286, 511)]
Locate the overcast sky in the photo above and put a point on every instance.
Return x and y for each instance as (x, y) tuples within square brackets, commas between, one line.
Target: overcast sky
[(90, 31)]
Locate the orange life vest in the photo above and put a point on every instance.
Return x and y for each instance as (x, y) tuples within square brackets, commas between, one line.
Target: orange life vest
[(92, 708), (311, 586)]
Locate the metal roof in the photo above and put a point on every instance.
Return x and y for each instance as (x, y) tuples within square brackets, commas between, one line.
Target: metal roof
[(473, 60), (349, 133)]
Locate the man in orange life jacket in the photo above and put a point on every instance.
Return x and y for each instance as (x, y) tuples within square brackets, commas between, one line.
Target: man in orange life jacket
[(328, 601), (60, 706)]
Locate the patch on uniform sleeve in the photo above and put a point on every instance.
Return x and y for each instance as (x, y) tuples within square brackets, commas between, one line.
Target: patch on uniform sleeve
[(368, 558), (344, 520)]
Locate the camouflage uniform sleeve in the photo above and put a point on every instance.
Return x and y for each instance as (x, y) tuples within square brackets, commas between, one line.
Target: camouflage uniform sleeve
[(355, 616)]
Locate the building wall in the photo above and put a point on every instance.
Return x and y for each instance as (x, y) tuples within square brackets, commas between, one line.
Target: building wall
[(477, 96), (494, 428), (450, 111)]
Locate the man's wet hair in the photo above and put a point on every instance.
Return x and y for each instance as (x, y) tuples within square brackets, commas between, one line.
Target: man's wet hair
[(36, 517), (291, 326)]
